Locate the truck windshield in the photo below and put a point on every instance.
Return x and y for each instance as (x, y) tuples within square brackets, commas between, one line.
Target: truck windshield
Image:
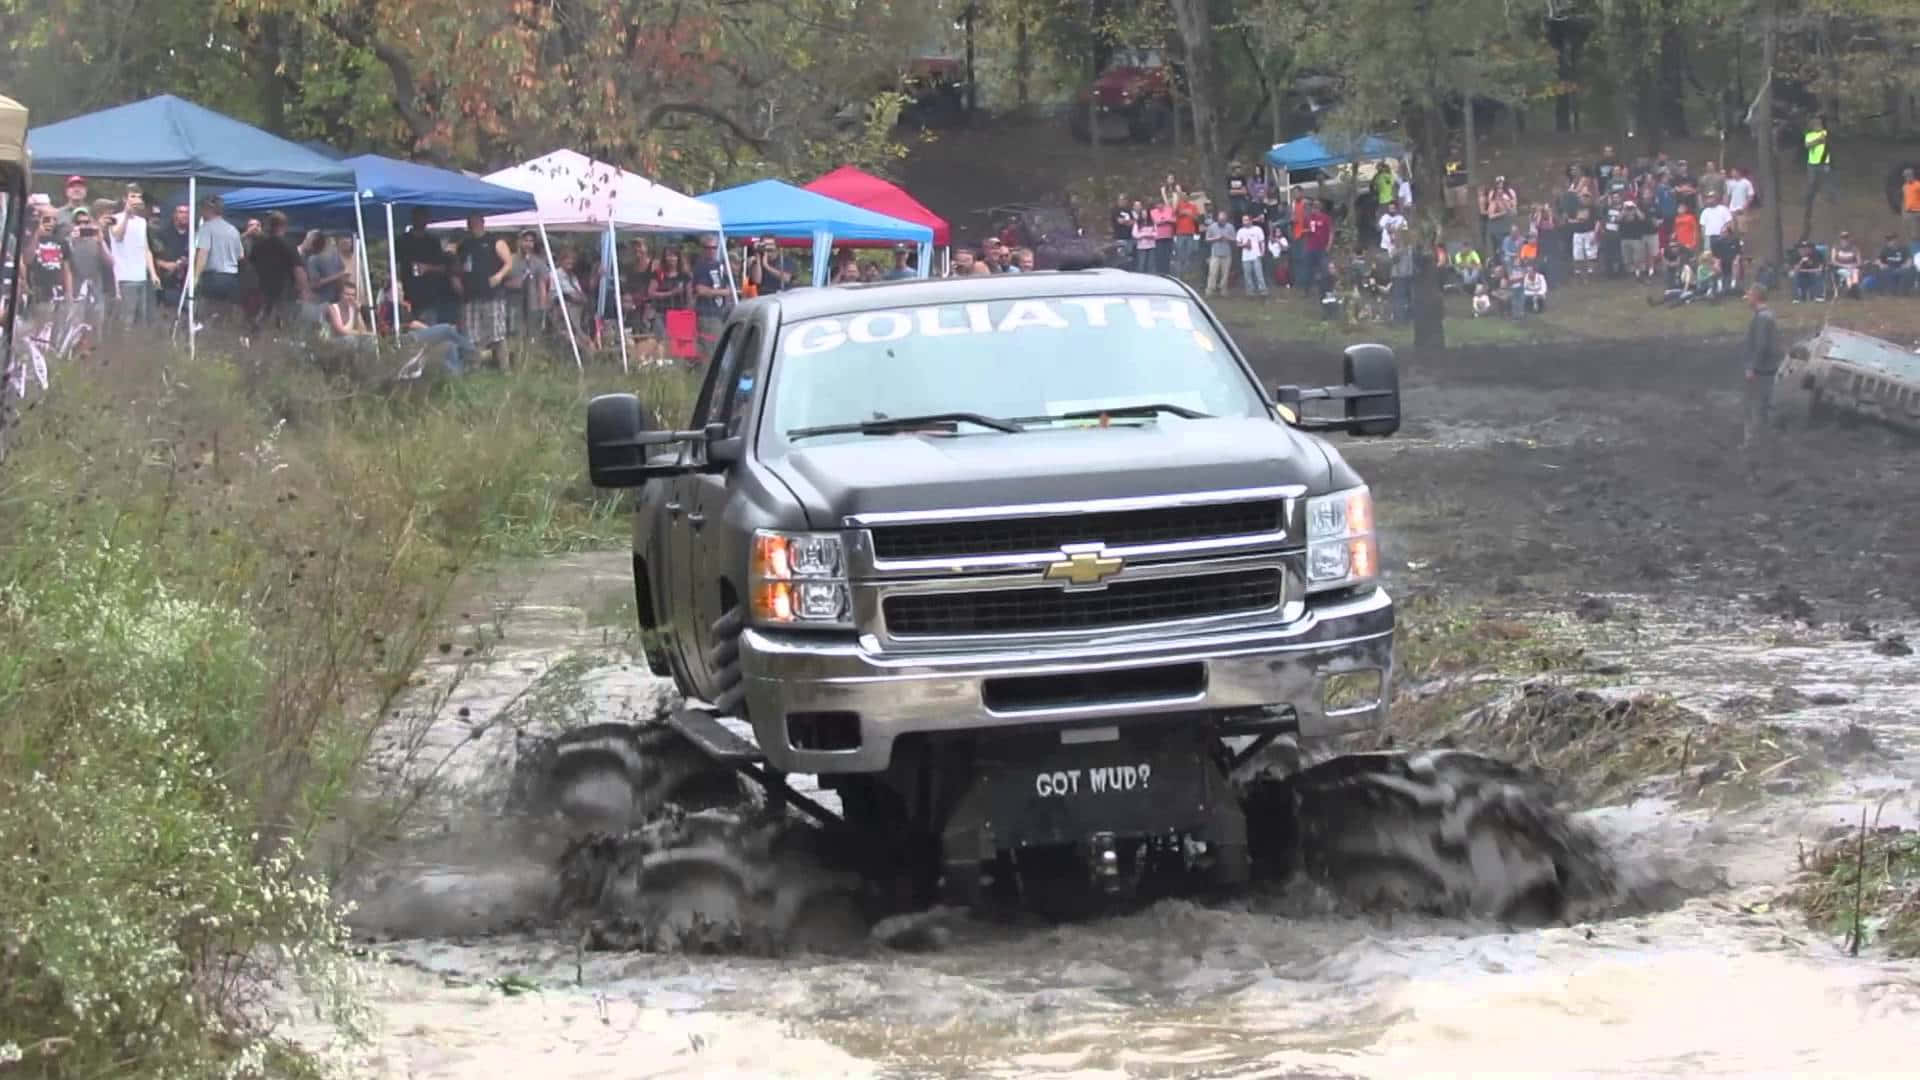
[(1002, 360)]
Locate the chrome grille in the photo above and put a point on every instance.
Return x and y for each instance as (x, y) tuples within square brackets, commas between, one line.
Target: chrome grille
[(1115, 528), (1049, 608)]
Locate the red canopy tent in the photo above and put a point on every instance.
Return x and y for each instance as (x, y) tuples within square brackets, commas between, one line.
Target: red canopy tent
[(865, 190)]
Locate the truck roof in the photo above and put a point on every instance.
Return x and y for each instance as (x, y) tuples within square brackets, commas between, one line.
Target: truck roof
[(813, 303)]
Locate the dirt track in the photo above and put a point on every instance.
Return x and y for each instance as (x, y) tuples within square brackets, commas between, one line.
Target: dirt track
[(1616, 468)]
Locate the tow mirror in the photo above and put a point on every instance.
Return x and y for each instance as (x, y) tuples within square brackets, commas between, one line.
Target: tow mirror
[(623, 450), (1369, 395), (723, 450)]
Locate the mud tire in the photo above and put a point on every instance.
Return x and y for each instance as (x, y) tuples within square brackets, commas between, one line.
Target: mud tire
[(608, 778), (1442, 832)]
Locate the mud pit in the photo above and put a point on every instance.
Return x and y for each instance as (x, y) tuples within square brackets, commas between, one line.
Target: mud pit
[(1596, 494)]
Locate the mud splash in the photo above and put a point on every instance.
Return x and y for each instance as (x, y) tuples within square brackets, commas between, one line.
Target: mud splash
[(1293, 982)]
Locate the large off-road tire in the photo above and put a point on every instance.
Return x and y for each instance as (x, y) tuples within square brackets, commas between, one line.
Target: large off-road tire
[(1444, 832), (613, 777)]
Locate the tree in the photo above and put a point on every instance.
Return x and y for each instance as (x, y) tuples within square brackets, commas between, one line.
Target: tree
[(1404, 64)]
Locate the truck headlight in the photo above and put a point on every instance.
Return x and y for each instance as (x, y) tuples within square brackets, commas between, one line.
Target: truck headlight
[(799, 579), (1341, 551)]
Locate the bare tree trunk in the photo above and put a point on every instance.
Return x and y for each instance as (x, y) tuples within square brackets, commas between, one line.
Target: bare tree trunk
[(1763, 134), (1193, 20), (1428, 128)]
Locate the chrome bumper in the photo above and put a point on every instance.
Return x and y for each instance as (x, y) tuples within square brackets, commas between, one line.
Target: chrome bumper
[(898, 695)]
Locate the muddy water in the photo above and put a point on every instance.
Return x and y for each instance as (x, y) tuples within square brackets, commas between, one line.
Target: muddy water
[(1728, 983)]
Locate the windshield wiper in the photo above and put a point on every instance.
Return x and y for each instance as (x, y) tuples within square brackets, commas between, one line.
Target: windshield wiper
[(893, 424), (1152, 409)]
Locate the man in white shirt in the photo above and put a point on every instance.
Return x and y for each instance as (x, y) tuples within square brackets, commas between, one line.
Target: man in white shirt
[(1391, 223), (1739, 191), (1714, 222), (134, 275), (1251, 239)]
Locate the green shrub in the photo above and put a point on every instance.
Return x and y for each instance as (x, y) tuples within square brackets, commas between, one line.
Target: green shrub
[(215, 578)]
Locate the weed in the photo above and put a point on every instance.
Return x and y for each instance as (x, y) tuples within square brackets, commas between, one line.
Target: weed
[(1872, 874), (216, 578)]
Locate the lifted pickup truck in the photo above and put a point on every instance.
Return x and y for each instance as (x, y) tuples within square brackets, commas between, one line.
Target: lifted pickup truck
[(1033, 573)]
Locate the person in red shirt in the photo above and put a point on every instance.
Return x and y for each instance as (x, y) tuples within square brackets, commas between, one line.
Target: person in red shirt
[(1162, 217), (1316, 236)]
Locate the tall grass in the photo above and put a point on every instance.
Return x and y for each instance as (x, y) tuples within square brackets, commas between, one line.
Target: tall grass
[(215, 576)]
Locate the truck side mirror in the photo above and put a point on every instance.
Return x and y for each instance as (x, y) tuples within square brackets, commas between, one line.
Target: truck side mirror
[(1369, 396), (722, 450), (620, 443)]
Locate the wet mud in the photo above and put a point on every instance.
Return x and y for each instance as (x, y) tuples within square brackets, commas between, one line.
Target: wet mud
[(1732, 706)]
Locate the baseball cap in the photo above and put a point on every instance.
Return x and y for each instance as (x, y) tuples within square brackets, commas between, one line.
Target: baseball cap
[(72, 180)]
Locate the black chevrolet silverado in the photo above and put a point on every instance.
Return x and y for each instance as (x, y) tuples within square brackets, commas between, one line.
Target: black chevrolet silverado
[(1019, 566)]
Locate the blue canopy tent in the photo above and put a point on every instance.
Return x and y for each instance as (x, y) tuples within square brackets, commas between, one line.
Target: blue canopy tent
[(772, 208), (385, 182), (1320, 151), (170, 138)]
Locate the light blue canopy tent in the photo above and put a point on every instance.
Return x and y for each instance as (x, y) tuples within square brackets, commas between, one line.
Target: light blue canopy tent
[(1321, 150), (171, 138), (389, 183), (773, 208)]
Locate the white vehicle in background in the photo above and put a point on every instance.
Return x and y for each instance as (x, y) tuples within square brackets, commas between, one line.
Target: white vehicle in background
[(1846, 374)]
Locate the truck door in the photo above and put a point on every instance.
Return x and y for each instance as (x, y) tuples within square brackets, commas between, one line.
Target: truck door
[(693, 510), (717, 556)]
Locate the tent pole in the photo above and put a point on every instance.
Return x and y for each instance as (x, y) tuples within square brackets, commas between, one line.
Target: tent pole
[(553, 277), (193, 278), (619, 309), (726, 265), (393, 273), (925, 259), (360, 254)]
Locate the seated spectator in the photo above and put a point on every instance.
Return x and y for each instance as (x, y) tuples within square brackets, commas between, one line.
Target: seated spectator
[(1809, 273), (1482, 303), (1846, 266), (1533, 291), (1894, 274), (1510, 246), (1504, 291), (1676, 278), (1466, 263), (1708, 283)]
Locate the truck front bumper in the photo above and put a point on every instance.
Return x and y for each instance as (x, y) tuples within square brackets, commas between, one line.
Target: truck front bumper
[(800, 676)]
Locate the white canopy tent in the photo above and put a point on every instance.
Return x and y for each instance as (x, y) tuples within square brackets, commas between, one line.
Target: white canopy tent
[(576, 194)]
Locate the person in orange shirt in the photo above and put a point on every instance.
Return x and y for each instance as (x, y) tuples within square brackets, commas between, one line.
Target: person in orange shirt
[(1686, 229), (1910, 205), (1186, 234)]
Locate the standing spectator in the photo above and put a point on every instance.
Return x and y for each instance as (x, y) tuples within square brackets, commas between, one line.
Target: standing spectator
[(483, 264), (1317, 237), (134, 273), (1763, 364), (1739, 191), (327, 271), (1219, 239), (1162, 217), (1714, 220), (1392, 224), (1186, 234), (426, 272), (217, 251), (711, 298), (1252, 242), (279, 268), (526, 288), (1686, 230), (1122, 220), (1637, 241), (1145, 239), (92, 269), (1713, 183), (170, 255), (1910, 204), (1819, 162), (768, 270), (1498, 204), (76, 202), (49, 271)]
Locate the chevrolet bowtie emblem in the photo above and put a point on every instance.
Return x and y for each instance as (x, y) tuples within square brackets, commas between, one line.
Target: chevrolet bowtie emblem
[(1084, 568)]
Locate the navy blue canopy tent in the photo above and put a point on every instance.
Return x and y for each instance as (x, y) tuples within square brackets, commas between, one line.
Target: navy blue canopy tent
[(446, 195), (772, 208), (170, 138)]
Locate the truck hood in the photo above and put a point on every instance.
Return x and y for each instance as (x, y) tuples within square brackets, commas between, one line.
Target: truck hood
[(894, 473)]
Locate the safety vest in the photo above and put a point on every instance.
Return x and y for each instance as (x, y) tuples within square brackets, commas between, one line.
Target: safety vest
[(1817, 153)]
